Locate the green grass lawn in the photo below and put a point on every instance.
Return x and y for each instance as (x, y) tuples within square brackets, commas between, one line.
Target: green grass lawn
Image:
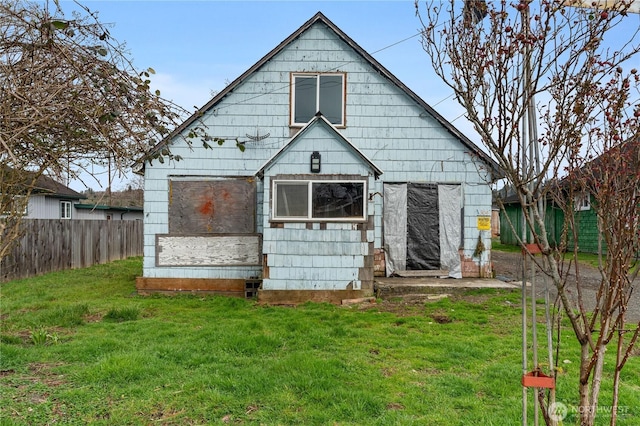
[(81, 347)]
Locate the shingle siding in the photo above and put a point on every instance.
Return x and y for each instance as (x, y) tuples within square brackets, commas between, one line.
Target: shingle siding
[(382, 121)]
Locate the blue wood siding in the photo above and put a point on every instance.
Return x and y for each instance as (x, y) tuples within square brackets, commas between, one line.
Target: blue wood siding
[(386, 125), (315, 259)]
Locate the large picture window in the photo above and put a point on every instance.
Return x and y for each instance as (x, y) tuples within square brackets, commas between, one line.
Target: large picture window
[(318, 92), (319, 200)]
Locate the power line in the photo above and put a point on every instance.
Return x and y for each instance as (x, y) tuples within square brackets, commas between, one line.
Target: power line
[(335, 68), (284, 86), (398, 42)]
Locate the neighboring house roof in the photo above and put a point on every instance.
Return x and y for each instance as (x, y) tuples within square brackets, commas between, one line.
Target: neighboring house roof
[(623, 156), (319, 17), (319, 119), (591, 172), (43, 185), (104, 207), (51, 188)]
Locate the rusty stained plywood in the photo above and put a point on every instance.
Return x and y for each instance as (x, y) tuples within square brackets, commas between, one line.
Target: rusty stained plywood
[(212, 206), (208, 250)]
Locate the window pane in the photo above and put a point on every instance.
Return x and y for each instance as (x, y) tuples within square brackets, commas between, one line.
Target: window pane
[(331, 98), (65, 210), (342, 199), (292, 199), (305, 99)]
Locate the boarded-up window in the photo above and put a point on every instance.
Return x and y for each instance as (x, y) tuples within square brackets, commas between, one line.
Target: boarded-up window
[(212, 206)]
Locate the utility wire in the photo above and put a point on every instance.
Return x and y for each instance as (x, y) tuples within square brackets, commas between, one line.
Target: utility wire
[(284, 86), (397, 42), (320, 72)]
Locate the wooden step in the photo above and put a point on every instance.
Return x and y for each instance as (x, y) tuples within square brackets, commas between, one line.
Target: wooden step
[(435, 273)]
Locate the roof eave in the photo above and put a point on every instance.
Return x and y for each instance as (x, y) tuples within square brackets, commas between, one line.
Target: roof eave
[(224, 92), (376, 170), (494, 168)]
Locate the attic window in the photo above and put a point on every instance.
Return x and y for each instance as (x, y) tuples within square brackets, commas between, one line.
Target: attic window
[(304, 200), (313, 93)]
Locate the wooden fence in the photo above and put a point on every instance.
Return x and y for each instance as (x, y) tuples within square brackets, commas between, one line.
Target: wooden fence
[(49, 245)]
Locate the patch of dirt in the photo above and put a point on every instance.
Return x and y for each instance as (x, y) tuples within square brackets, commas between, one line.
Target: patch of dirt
[(441, 318), (42, 373), (90, 318), (470, 297), (397, 306), (388, 371), (395, 406), (429, 371)]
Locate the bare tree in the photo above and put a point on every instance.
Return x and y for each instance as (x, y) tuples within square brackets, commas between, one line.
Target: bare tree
[(70, 96), (547, 95)]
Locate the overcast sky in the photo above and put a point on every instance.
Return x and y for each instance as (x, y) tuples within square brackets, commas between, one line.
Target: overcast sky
[(197, 47)]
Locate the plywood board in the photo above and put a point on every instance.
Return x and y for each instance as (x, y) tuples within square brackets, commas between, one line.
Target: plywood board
[(212, 206), (208, 250)]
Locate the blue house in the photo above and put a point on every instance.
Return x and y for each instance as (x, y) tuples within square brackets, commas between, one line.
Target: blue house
[(345, 174)]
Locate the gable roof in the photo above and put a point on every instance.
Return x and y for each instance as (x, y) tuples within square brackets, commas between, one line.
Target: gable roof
[(41, 185), (590, 173), (51, 188), (319, 119), (627, 153), (494, 168)]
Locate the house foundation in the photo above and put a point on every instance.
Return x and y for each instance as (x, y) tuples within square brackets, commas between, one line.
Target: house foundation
[(224, 287)]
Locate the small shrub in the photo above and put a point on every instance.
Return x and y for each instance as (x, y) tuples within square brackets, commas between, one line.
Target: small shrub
[(54, 338), (122, 314), (38, 336)]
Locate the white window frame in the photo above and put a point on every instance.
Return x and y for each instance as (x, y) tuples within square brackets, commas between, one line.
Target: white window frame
[(309, 217), (582, 201), (317, 75), (65, 207)]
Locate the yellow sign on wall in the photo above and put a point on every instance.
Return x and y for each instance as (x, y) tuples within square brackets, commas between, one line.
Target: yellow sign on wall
[(484, 223)]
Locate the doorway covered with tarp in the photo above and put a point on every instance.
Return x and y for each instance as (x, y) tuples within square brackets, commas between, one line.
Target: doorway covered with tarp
[(422, 227)]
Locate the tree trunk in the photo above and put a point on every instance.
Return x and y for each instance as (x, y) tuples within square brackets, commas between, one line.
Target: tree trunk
[(590, 365), (616, 379), (585, 401)]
